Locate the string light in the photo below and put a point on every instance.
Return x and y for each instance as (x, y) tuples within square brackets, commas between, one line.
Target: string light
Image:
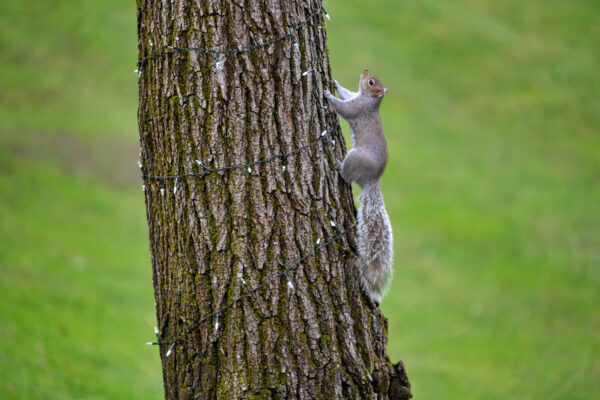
[(295, 42), (308, 71), (335, 227), (220, 55), (170, 349), (245, 285), (289, 282), (219, 62), (206, 170), (187, 325), (256, 45), (284, 273), (252, 38)]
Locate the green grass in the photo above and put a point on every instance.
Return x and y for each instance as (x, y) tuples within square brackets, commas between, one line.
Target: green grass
[(76, 284), (493, 188)]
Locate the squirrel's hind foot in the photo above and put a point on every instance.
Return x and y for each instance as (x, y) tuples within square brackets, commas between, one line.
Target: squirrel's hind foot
[(340, 169)]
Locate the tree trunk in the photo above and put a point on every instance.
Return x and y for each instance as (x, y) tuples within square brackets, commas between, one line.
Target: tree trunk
[(257, 292)]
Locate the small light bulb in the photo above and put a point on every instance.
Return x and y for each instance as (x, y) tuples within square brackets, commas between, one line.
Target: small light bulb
[(308, 72), (219, 62), (245, 284), (289, 282), (253, 39), (170, 349), (295, 42), (187, 325), (162, 191), (318, 240)]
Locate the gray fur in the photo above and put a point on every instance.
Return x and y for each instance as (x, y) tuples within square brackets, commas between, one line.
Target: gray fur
[(375, 243), (364, 164)]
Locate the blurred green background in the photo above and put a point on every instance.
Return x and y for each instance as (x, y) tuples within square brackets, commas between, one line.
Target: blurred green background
[(493, 186)]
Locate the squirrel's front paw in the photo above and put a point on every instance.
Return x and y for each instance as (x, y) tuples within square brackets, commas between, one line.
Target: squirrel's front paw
[(328, 95)]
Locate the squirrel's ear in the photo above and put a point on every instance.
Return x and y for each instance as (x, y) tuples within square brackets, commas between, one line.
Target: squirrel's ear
[(385, 90)]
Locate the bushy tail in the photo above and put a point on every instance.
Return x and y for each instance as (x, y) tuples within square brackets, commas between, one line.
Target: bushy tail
[(374, 242)]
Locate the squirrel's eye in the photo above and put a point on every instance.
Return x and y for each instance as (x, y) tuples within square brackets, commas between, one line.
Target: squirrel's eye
[(371, 82)]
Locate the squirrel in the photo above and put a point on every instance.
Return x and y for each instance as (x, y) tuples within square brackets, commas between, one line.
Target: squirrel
[(364, 164)]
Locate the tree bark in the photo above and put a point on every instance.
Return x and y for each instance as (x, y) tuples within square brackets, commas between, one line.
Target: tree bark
[(218, 234)]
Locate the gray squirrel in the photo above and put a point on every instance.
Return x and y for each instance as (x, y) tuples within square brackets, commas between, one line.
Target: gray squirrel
[(364, 164)]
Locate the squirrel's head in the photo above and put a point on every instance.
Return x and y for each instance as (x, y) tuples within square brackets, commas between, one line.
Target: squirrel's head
[(372, 86)]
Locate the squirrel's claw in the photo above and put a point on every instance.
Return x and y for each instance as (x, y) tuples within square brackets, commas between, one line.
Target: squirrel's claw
[(327, 94)]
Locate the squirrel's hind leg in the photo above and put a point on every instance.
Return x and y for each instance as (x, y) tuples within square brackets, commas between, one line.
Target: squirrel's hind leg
[(354, 166)]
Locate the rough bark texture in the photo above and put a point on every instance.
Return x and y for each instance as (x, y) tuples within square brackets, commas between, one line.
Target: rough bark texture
[(323, 339)]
